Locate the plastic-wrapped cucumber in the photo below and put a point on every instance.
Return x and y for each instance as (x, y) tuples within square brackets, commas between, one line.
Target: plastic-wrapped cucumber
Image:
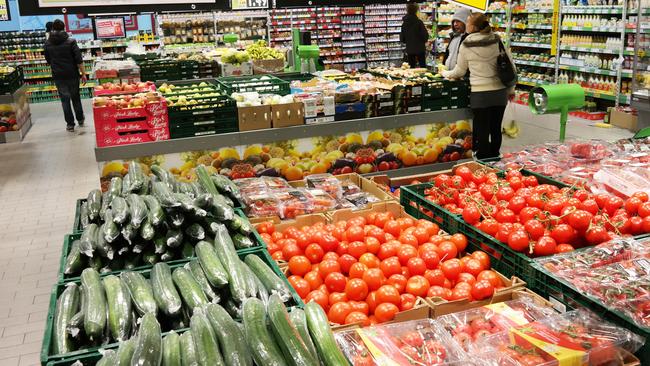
[(103, 247), (84, 220), (88, 241), (120, 210), (175, 218), (149, 256), (110, 229), (242, 225), (185, 188), (197, 272), (133, 261), (187, 251), (204, 201), (129, 232), (263, 346), (198, 189), (204, 180), (226, 186), (94, 304), (137, 208), (271, 281), (250, 279), (205, 340), (190, 290), (187, 203), (147, 231), (146, 187), (211, 225), (105, 206), (126, 183), (164, 195), (119, 307), (242, 242), (163, 176), (125, 352), (291, 344), (188, 349), (94, 204), (211, 264), (159, 244), (141, 292), (233, 308), (171, 350), (114, 188), (174, 238), (74, 261), (167, 256), (231, 338), (228, 256), (299, 320), (221, 210), (155, 211), (262, 293), (195, 232), (167, 298), (108, 358), (66, 307), (137, 176), (148, 349)]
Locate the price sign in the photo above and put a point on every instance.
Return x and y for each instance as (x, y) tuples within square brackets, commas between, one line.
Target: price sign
[(480, 5), (249, 4)]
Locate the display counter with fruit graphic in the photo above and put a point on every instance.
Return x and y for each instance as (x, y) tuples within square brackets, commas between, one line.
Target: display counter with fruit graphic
[(269, 152), (15, 117)]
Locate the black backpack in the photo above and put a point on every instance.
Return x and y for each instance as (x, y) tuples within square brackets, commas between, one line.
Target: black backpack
[(505, 69)]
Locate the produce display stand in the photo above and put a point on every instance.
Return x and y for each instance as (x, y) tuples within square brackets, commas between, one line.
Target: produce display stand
[(15, 115)]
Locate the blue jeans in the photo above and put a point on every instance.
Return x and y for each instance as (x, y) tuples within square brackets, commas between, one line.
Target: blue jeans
[(69, 92)]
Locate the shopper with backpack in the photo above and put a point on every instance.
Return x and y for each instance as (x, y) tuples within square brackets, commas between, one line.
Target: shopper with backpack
[(415, 36), (492, 77)]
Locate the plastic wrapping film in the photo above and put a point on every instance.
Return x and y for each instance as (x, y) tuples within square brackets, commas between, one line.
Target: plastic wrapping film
[(327, 182), (574, 338)]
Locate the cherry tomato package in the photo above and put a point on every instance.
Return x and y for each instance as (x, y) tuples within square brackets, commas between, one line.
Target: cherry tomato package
[(417, 342), (262, 204), (251, 186), (294, 202), (576, 338), (322, 201), (275, 183), (470, 326), (362, 199), (326, 182)]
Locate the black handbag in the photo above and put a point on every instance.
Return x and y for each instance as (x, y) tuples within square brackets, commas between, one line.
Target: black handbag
[(505, 69)]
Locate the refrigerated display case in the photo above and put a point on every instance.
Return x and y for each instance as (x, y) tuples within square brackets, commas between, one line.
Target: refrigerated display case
[(641, 80)]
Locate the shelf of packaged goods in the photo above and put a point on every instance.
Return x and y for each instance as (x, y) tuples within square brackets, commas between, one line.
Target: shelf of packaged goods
[(24, 62), (596, 50), (327, 36), (353, 45), (378, 59), (37, 76), (595, 70), (350, 30), (277, 134), (280, 39), (592, 10), (535, 63), (353, 52), (604, 95), (533, 26), (531, 45), (598, 29), (330, 54), (493, 12), (353, 61), (531, 82), (350, 13), (281, 29), (329, 45), (531, 11)]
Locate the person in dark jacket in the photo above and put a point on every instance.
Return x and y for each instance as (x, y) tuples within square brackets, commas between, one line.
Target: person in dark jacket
[(456, 37), (64, 57), (415, 35)]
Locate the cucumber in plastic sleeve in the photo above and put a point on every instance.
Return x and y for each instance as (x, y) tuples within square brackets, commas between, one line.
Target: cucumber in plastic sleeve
[(105, 206), (231, 339), (174, 238), (171, 349), (190, 290), (321, 334), (114, 188), (155, 211), (120, 210), (147, 231), (195, 232), (108, 358), (137, 176), (75, 323), (197, 272), (94, 204), (74, 262), (204, 180), (149, 256), (167, 256), (119, 307), (84, 220), (250, 279), (226, 186), (175, 218), (125, 352), (126, 183), (148, 349), (88, 241), (141, 292), (188, 349), (137, 208), (159, 244), (271, 281), (103, 247), (262, 293), (290, 342), (261, 342), (110, 229), (164, 292), (242, 242), (211, 264), (204, 201), (66, 306), (205, 340), (164, 195), (129, 232), (94, 304), (226, 252), (221, 210), (299, 320)]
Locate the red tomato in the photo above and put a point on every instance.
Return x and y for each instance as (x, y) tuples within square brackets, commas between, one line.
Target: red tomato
[(467, 278), (447, 250), (291, 250), (385, 312), (563, 248), (302, 287), (451, 268), (373, 244), (328, 242), (482, 257), (390, 266), (371, 300), (430, 259), (482, 290), (460, 293), (356, 289), (328, 266), (518, 240), (406, 252), (337, 297), (435, 277), (407, 302), (393, 227), (439, 291), (314, 253), (318, 297), (370, 260), (374, 278), (266, 227), (357, 248), (417, 286), (357, 317), (490, 276), (422, 235), (299, 265), (545, 246), (416, 266), (398, 281), (644, 209), (335, 282), (314, 279), (460, 241), (388, 249), (346, 261), (338, 312), (357, 270), (473, 266), (388, 293)]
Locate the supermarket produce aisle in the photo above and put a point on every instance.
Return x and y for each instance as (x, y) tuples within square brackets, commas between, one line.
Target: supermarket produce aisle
[(45, 174)]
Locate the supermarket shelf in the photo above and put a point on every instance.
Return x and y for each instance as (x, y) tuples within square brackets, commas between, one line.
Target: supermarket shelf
[(416, 170), (276, 134), (601, 95), (598, 29), (535, 63), (532, 11), (592, 10), (596, 50), (532, 45), (530, 82), (595, 70), (541, 27)]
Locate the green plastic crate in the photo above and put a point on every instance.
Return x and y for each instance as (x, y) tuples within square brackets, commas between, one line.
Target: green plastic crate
[(414, 201), (11, 82), (255, 83)]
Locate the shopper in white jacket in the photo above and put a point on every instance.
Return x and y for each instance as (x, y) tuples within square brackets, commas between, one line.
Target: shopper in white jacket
[(489, 97)]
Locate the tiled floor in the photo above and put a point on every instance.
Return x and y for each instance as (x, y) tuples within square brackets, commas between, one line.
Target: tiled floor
[(44, 175)]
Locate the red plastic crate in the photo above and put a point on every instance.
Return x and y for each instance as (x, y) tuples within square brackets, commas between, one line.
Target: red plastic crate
[(115, 126), (149, 87)]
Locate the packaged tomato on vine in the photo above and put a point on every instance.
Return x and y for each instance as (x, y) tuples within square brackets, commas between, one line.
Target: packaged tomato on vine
[(326, 182), (274, 183), (417, 342), (322, 201), (262, 204), (294, 202)]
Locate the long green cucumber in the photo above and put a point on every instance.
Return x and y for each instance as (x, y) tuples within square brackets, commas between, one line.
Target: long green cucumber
[(167, 298), (211, 264), (137, 208), (271, 281), (105, 206), (126, 183), (231, 339), (141, 292), (110, 229), (114, 188), (187, 250), (299, 320), (249, 279), (191, 292), (197, 272), (155, 211), (147, 230), (261, 342), (163, 176), (242, 242), (129, 232), (66, 306), (164, 195), (84, 220), (125, 352), (108, 358), (148, 350), (205, 340), (74, 261), (174, 238), (103, 247), (290, 341), (88, 241), (188, 350), (175, 217), (137, 176), (205, 181), (119, 307), (171, 349), (94, 304), (94, 204), (195, 232), (321, 334), (120, 210), (226, 252)]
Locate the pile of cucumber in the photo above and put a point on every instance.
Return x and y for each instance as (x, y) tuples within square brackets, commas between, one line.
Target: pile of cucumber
[(142, 220), (268, 335), (100, 310)]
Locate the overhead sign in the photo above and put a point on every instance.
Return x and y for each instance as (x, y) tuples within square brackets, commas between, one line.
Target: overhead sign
[(476, 5), (4, 11), (71, 3), (110, 28), (249, 4)]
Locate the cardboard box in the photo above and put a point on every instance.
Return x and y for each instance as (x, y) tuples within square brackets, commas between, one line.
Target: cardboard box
[(245, 68), (267, 66), (623, 119), (318, 107), (254, 118), (286, 115)]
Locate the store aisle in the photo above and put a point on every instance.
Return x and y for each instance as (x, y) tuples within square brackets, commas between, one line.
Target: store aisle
[(44, 175)]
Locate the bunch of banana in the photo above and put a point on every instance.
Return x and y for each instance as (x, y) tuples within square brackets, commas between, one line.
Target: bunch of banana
[(511, 130)]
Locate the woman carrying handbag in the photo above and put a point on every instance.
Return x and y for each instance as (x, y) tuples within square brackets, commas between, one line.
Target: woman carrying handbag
[(492, 77)]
